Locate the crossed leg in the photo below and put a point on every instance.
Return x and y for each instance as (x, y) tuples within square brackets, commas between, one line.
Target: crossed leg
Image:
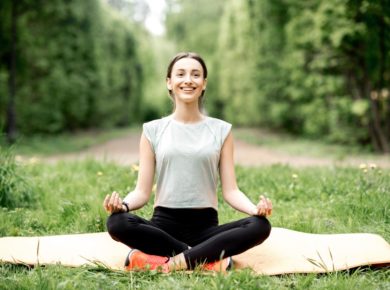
[(208, 245)]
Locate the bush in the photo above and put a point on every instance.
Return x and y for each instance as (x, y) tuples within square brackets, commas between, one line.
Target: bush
[(15, 191)]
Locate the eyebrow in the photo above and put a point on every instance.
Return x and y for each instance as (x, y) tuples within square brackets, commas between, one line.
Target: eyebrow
[(194, 70)]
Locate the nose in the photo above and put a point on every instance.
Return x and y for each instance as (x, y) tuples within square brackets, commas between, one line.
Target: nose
[(187, 78)]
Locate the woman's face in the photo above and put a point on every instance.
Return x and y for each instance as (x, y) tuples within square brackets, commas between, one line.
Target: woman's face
[(186, 81)]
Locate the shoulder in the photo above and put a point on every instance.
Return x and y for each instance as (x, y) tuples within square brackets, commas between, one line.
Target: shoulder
[(220, 129), (218, 123), (155, 125), (153, 130)]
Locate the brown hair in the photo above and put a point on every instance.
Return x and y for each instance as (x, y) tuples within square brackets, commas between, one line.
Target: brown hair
[(192, 55)]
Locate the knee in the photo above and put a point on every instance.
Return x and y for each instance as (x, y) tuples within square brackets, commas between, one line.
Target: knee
[(115, 223), (263, 228)]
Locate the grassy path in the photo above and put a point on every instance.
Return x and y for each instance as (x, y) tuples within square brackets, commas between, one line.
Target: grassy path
[(252, 148)]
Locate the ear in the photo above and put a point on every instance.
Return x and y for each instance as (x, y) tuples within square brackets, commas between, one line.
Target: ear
[(169, 84)]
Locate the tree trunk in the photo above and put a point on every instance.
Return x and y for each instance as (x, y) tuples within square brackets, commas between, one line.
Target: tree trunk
[(11, 116), (377, 133), (382, 81)]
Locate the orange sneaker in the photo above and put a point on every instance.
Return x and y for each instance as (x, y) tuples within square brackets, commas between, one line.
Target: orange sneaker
[(137, 260), (218, 266)]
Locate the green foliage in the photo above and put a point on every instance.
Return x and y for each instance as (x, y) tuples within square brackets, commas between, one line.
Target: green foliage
[(316, 69), (196, 29), (237, 66), (78, 67), (15, 188)]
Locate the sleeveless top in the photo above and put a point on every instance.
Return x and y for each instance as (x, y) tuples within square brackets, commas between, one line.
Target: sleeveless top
[(187, 161)]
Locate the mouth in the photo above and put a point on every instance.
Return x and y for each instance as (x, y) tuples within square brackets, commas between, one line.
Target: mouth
[(187, 89)]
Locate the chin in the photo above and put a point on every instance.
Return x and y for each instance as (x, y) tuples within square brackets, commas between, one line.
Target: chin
[(187, 99)]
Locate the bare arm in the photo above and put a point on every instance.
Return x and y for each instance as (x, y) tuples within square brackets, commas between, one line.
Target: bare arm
[(231, 193), (141, 194)]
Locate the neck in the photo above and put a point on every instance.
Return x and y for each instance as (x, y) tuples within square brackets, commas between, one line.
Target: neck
[(187, 113)]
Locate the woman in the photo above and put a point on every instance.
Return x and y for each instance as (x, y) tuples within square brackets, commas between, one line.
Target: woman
[(188, 151)]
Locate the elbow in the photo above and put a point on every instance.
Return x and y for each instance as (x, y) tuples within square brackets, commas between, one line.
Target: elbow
[(144, 196), (228, 194)]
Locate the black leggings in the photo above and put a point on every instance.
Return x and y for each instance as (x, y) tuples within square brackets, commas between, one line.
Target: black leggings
[(173, 231)]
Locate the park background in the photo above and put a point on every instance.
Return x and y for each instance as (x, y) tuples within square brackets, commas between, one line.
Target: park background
[(317, 69), (303, 76)]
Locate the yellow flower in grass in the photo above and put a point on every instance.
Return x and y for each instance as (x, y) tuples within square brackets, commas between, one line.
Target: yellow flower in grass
[(294, 176), (18, 158), (135, 168), (33, 160), (373, 166), (99, 173), (363, 166)]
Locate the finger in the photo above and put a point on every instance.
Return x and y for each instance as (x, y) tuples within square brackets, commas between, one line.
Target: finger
[(118, 205), (265, 203), (269, 207), (105, 202), (261, 197), (269, 202), (260, 208), (112, 199), (115, 203)]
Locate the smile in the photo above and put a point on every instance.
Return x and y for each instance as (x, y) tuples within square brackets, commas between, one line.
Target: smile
[(187, 89)]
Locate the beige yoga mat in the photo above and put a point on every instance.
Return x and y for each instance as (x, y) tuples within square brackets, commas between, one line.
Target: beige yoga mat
[(285, 251)]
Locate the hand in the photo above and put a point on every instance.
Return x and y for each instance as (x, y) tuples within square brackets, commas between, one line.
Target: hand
[(264, 207), (113, 203)]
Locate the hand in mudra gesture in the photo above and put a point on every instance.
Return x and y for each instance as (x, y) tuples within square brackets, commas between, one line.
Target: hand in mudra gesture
[(264, 207), (113, 203)]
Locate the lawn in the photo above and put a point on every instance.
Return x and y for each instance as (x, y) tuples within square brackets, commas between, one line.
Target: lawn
[(64, 198)]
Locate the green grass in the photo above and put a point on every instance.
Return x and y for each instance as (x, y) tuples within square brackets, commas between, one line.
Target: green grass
[(57, 277), (69, 199), (65, 142)]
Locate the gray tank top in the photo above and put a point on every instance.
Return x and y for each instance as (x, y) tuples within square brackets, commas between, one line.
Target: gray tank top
[(187, 161)]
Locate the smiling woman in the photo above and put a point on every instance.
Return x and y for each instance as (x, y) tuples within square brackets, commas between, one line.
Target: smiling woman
[(187, 78), (188, 151)]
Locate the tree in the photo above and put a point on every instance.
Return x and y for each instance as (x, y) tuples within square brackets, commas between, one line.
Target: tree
[(76, 63)]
